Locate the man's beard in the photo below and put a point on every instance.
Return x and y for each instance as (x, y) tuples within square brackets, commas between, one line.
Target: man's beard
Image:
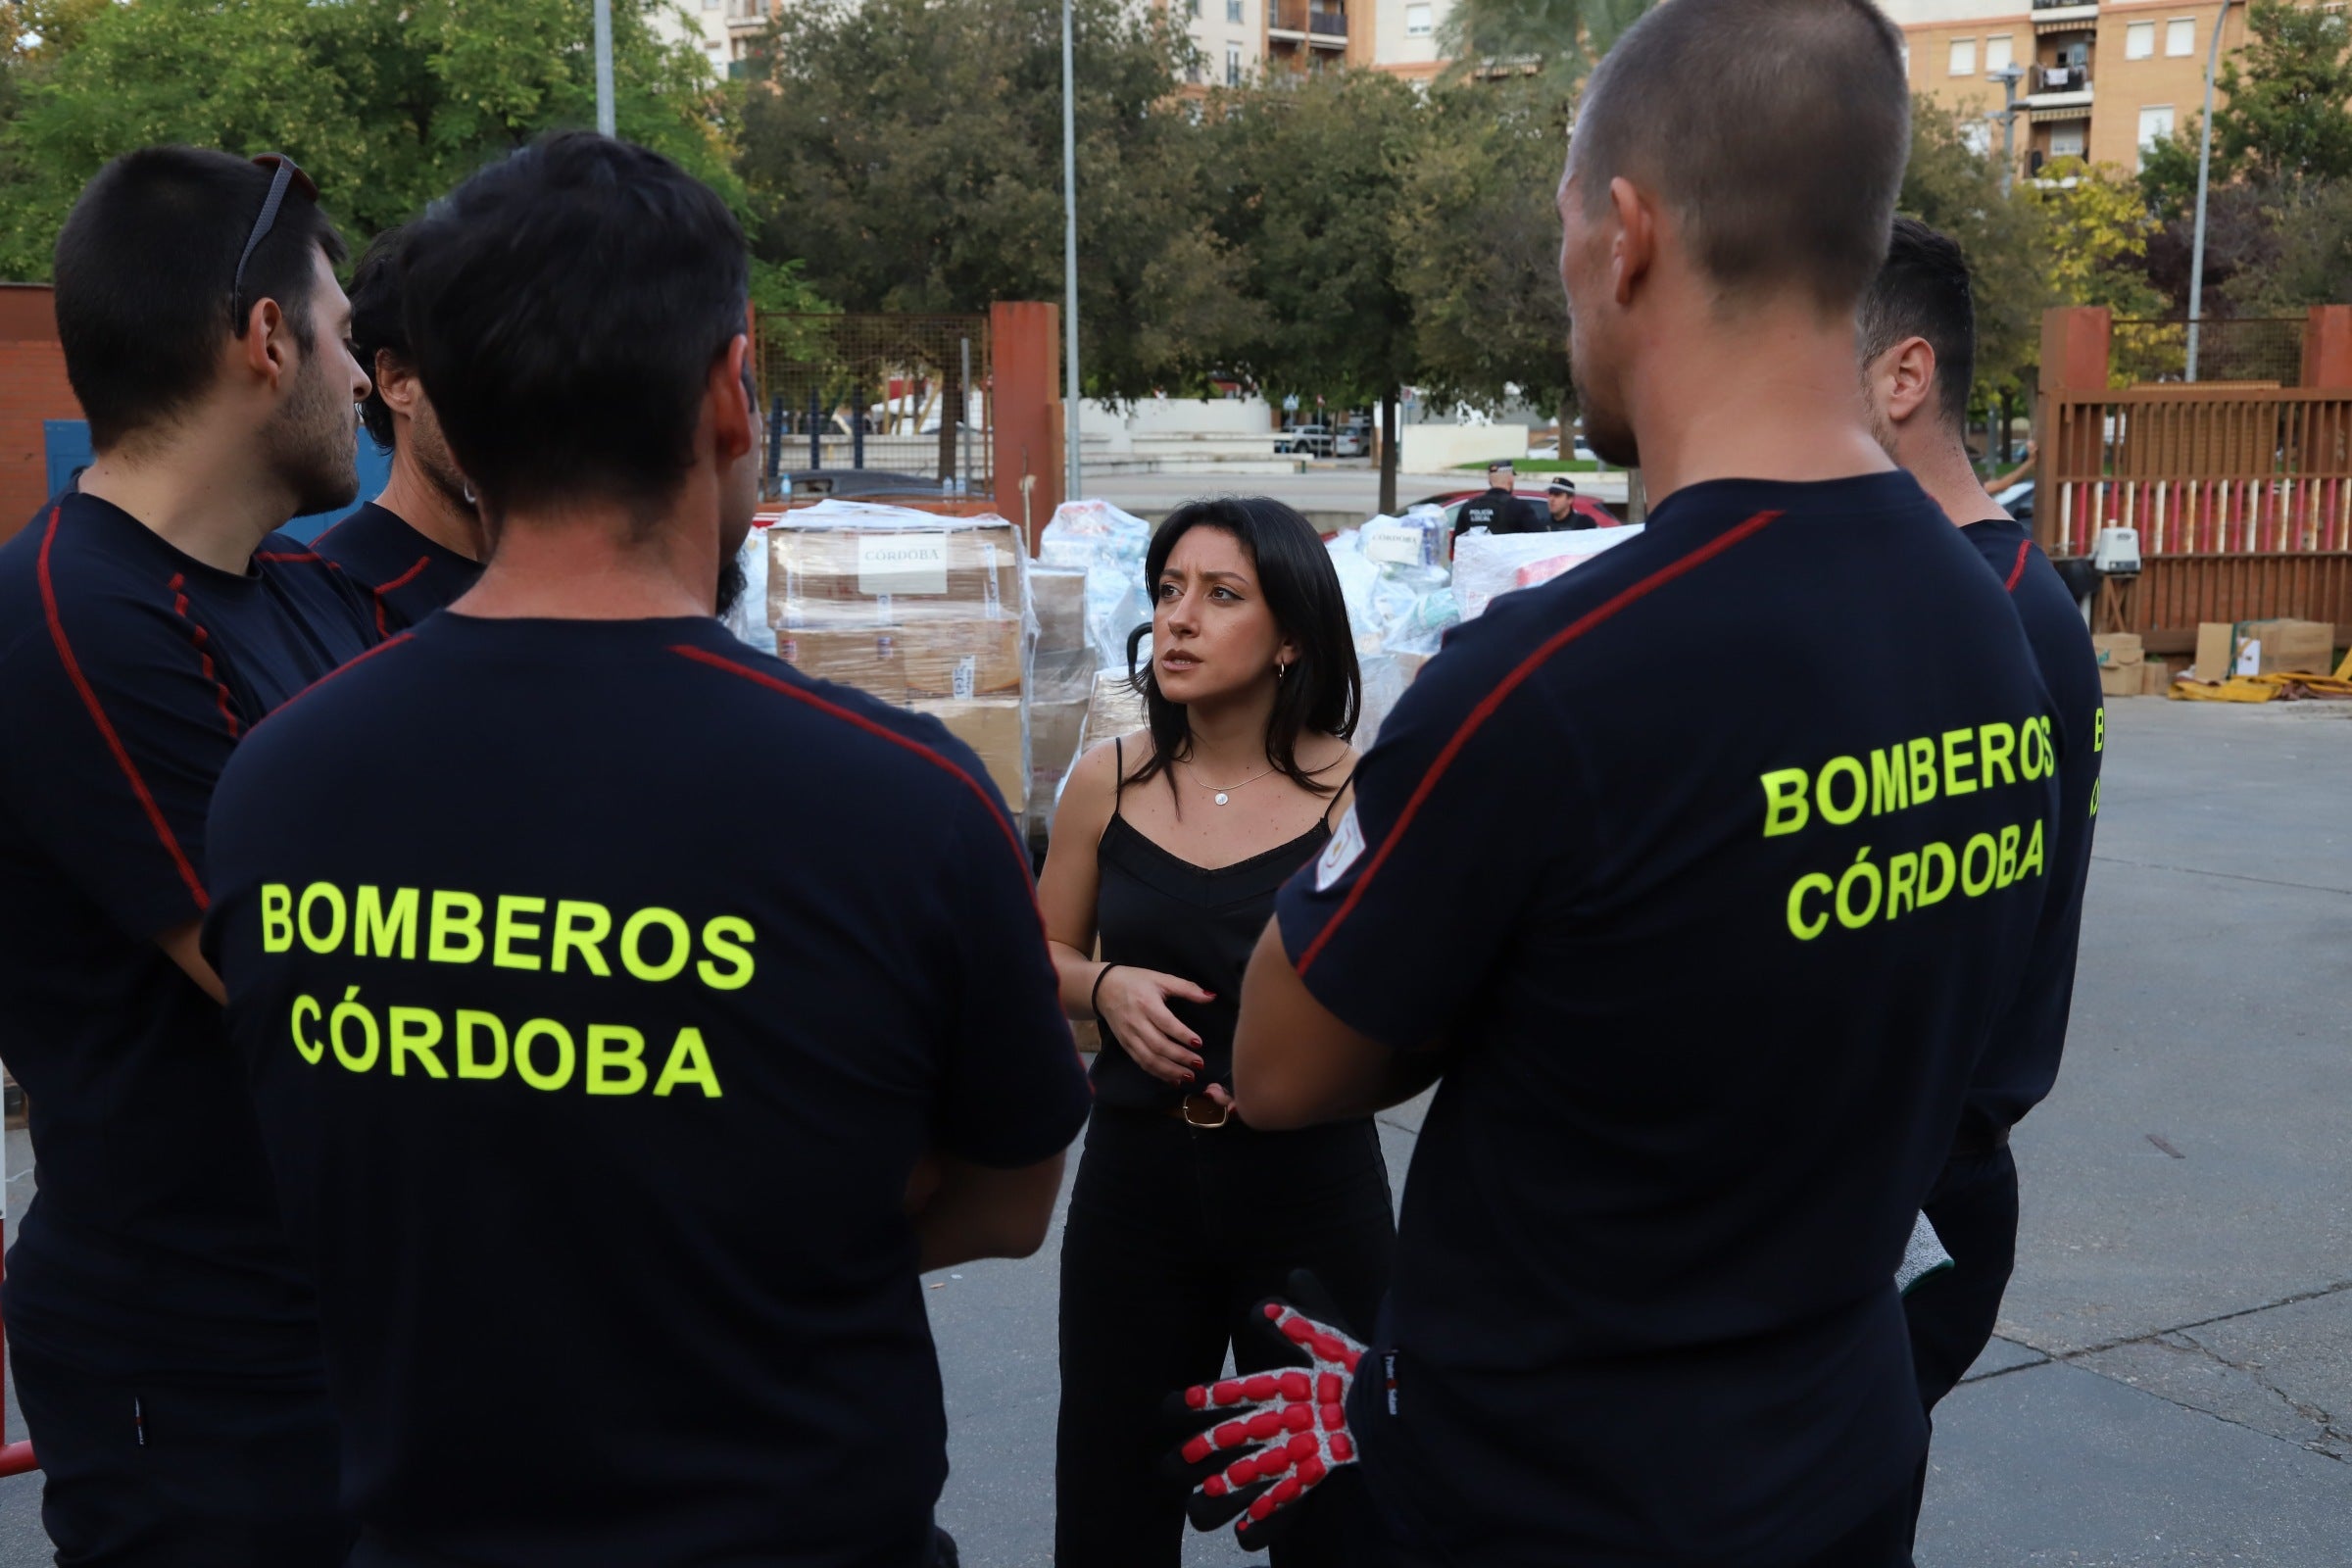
[(314, 441), (733, 581), (1607, 430)]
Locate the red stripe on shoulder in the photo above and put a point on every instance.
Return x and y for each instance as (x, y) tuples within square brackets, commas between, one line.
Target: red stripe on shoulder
[(2025, 549), (203, 640), (348, 664), (383, 628), (1493, 700), (106, 728), (700, 656)]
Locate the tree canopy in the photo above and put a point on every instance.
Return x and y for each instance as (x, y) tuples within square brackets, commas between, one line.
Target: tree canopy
[(386, 103)]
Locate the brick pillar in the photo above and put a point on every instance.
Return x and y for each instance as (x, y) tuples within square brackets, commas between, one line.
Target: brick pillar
[(33, 391), (2328, 347), (1024, 349), (2074, 349), (2074, 367)]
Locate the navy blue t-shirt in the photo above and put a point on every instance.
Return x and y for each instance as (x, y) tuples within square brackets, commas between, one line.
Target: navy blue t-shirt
[(407, 575), (2021, 1061), (128, 673), (1710, 863), (600, 982)]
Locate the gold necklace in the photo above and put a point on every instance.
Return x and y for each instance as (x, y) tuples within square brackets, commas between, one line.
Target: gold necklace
[(1216, 793)]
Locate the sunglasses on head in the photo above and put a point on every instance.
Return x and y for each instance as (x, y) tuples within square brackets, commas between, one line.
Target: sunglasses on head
[(285, 172)]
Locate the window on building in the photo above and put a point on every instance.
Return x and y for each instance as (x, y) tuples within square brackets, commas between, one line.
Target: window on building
[(2155, 124), (2067, 138), (2180, 36), (1232, 65), (2139, 41), (1417, 22), (1193, 8), (1964, 57), (1232, 10), (710, 5), (2000, 53)]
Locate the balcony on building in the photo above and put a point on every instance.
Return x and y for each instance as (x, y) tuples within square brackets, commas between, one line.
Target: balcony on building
[(745, 15), (2064, 16), (1306, 24)]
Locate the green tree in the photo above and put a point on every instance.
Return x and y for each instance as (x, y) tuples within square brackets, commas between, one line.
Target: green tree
[(1951, 186), (1313, 171), (387, 103), (2098, 229), (1478, 241), (908, 153), (1558, 41)]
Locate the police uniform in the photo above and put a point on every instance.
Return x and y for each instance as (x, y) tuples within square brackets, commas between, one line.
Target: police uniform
[(406, 575), (1710, 980), (166, 1342), (600, 982), (1974, 1204), (1495, 510)]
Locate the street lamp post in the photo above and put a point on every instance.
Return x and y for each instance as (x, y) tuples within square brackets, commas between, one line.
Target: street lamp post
[(1069, 256), (2008, 76), (2196, 247), (604, 67)]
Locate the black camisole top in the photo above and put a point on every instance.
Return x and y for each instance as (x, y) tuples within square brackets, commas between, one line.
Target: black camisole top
[(1158, 910)]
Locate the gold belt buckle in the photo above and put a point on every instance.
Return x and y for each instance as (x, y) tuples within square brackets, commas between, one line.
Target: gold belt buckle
[(1204, 1101)]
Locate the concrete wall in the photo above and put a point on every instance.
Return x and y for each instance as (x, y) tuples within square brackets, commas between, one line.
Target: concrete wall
[(33, 388), (1435, 448)]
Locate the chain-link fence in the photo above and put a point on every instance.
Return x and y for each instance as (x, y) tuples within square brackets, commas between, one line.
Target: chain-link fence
[(2256, 351), (880, 404)]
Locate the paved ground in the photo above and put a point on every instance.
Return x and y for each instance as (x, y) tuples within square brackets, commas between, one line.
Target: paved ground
[(1350, 486), (2173, 1385)]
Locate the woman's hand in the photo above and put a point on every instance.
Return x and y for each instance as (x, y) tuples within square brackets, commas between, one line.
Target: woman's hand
[(1134, 1003)]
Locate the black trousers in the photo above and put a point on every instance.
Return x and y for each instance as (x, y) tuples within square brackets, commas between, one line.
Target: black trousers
[(1951, 1314), (140, 1474), (1174, 1233)]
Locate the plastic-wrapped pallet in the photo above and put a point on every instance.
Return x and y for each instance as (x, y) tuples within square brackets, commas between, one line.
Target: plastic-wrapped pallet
[(1108, 545), (1486, 565), (927, 613), (1061, 680)]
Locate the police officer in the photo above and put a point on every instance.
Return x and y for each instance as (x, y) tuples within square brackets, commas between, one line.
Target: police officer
[(631, 1018), (420, 544), (1494, 508), (166, 1340), (1918, 345), (1561, 512), (1643, 1306)]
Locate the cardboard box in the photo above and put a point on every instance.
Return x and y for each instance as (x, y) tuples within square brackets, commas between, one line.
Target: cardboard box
[(2287, 647), (1054, 728), (1115, 708), (2216, 650), (2118, 648), (2158, 679), (2121, 680), (993, 727), (961, 658), (1060, 598), (844, 576)]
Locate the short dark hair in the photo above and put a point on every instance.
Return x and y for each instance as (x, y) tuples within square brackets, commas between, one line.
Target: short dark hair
[(1324, 691), (377, 326), (1777, 131), (565, 306), (146, 268), (1923, 290)]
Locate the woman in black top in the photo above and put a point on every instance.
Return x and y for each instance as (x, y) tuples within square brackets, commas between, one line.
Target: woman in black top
[(1168, 846)]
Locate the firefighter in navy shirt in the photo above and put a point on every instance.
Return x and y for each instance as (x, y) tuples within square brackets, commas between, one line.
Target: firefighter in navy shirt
[(420, 544), (1918, 347), (166, 1344), (629, 1016), (1702, 985)]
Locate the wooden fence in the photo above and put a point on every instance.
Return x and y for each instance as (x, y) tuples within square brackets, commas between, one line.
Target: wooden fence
[(2242, 497)]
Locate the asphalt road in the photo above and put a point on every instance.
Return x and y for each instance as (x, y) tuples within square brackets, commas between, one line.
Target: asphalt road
[(2172, 1380)]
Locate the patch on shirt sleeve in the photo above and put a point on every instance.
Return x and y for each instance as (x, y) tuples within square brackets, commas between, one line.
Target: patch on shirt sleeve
[(1347, 845)]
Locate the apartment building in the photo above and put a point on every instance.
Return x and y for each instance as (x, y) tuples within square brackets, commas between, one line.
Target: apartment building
[(1239, 38), (724, 30), (2102, 78)]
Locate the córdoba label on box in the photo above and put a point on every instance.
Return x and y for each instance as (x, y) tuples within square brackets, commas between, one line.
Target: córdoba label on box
[(903, 564)]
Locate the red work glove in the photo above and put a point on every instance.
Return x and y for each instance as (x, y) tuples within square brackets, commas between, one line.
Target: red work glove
[(1279, 1434)]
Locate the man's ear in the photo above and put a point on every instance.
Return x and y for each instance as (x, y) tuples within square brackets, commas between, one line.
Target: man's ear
[(396, 383), (1907, 373), (268, 349), (734, 422), (1634, 247)]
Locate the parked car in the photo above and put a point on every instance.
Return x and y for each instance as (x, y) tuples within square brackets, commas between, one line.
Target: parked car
[(1351, 441), (1306, 440)]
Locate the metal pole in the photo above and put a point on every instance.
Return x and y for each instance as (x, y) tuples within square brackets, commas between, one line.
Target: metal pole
[(775, 441), (857, 427), (963, 409), (2196, 247), (1069, 256), (2008, 133), (604, 67), (816, 432)]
